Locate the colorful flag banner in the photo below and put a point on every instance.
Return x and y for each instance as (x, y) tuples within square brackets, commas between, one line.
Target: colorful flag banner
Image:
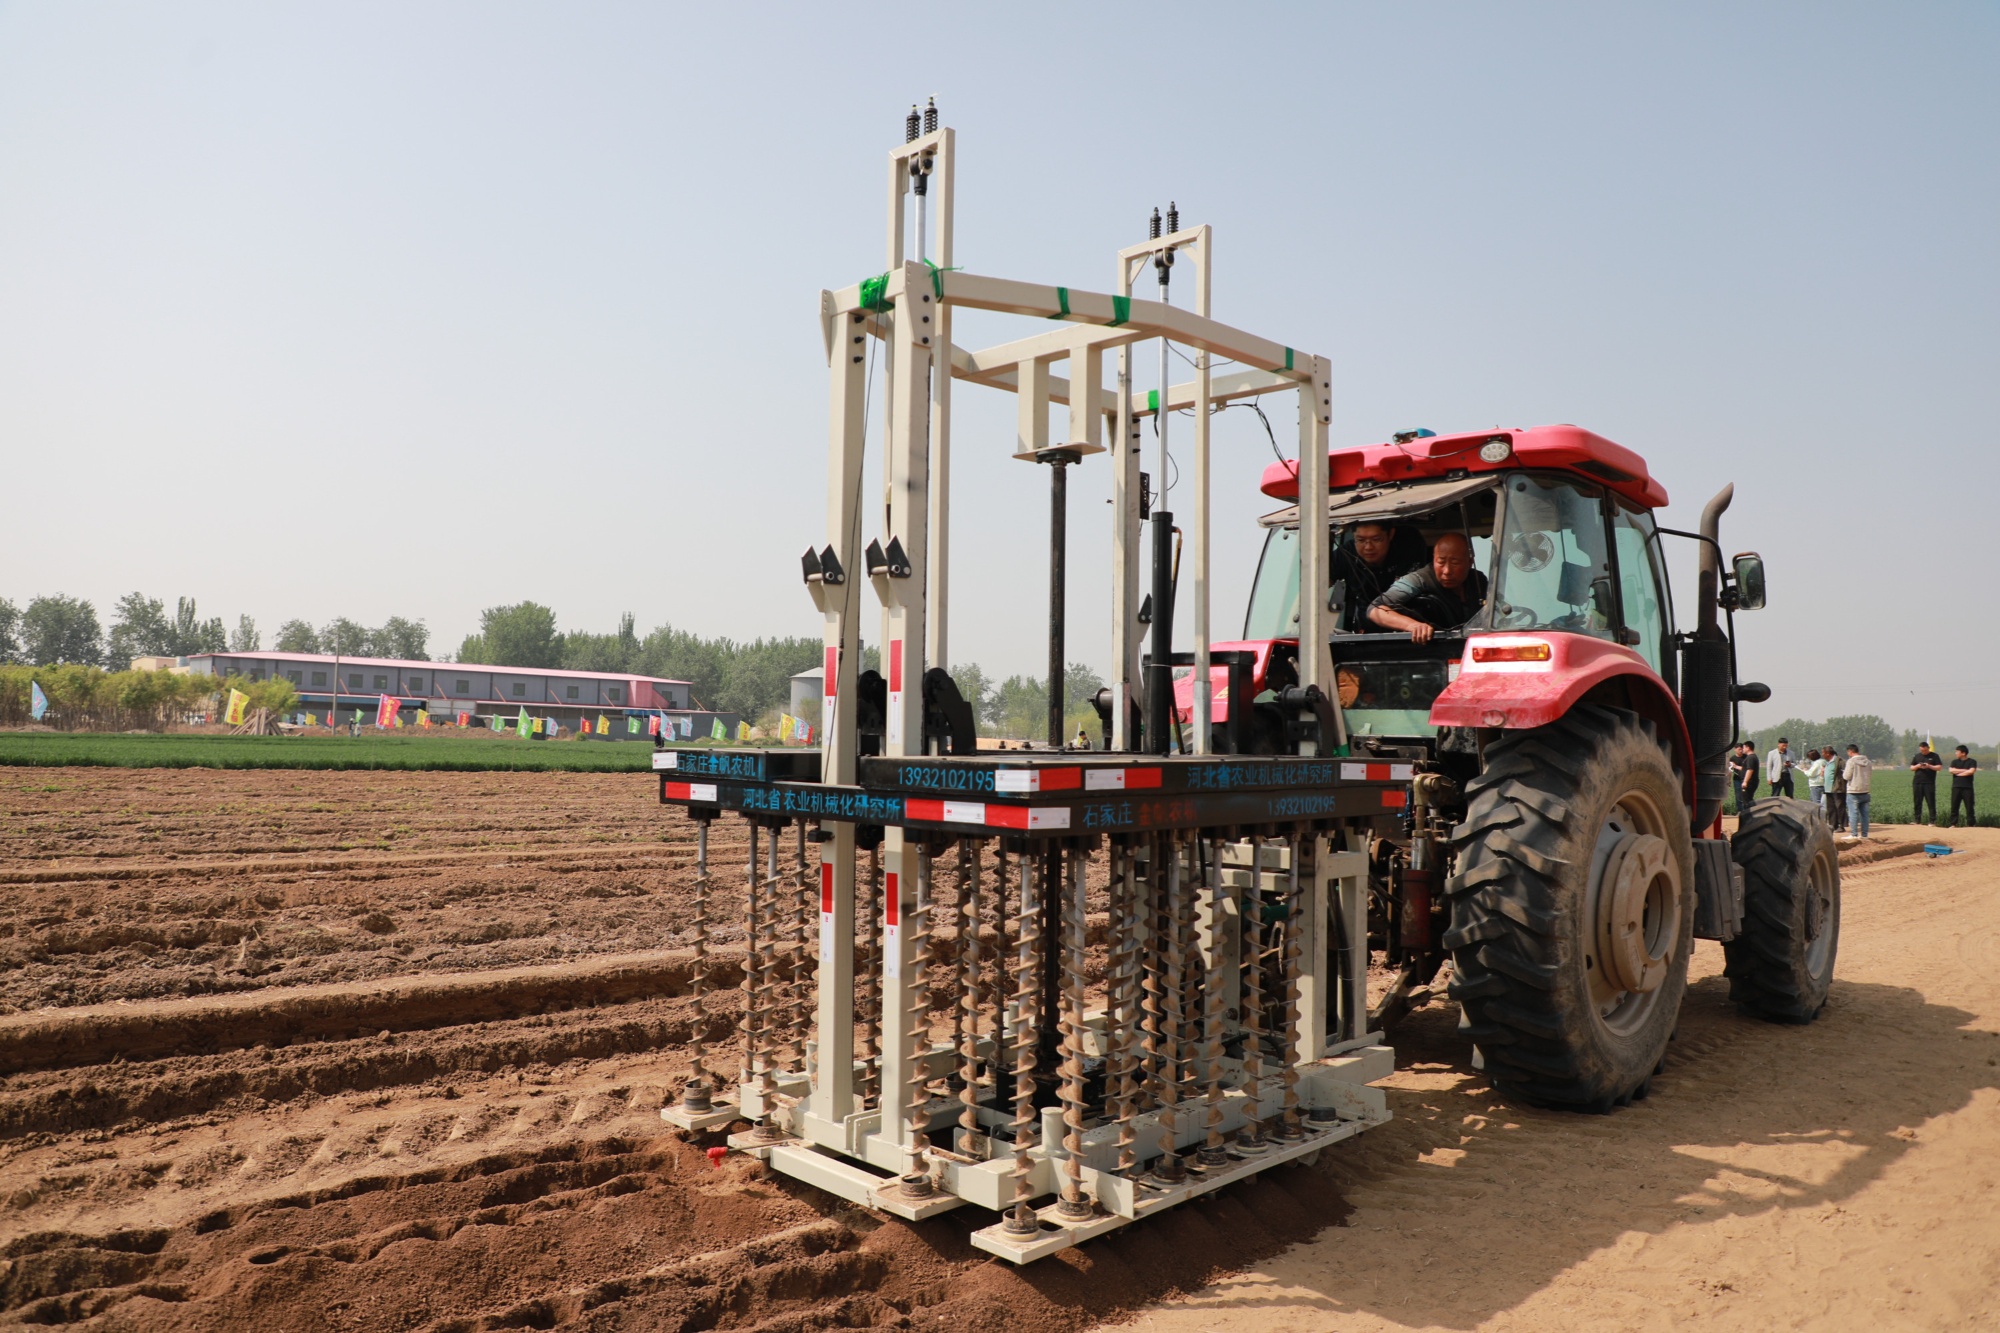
[(38, 702), (525, 727), (652, 725), (312, 720), (386, 708), (238, 702), (742, 731), (718, 732), (423, 717), (465, 719), (603, 725), (631, 726), (583, 726), (397, 720)]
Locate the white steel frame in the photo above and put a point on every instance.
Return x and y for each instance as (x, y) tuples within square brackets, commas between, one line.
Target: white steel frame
[(833, 1143)]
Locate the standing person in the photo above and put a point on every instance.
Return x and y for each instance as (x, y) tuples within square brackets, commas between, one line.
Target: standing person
[(1778, 768), (1743, 774), (1858, 772), (1836, 791), (1964, 768), (1925, 765), (1815, 771)]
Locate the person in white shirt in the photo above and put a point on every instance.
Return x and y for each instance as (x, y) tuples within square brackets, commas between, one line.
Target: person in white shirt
[(1857, 771), (1778, 768), (1815, 770)]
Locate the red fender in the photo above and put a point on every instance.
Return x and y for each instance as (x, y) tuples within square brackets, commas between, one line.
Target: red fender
[(1519, 681)]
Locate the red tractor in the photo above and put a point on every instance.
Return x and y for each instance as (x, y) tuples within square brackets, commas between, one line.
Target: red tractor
[(1562, 845)]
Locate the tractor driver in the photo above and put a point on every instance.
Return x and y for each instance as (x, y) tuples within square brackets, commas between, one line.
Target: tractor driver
[(1370, 558), (1443, 596)]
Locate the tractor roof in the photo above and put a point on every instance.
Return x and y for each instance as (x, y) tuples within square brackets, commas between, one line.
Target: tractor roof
[(1555, 448)]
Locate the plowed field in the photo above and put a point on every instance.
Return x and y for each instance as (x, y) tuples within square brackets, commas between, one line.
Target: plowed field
[(403, 1038)]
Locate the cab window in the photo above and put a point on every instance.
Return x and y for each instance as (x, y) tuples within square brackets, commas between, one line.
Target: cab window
[(1642, 584)]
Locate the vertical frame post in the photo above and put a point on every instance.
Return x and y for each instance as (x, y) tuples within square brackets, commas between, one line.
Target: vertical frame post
[(1126, 541), (1204, 687), (832, 1096), (1315, 661), (1316, 975), (907, 470), (937, 567)]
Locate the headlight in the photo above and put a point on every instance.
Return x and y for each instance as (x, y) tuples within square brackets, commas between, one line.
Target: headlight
[(1496, 450)]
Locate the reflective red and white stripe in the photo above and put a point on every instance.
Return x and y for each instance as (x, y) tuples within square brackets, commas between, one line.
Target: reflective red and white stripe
[(691, 791), (988, 815), (1376, 772), (826, 913), (1014, 780)]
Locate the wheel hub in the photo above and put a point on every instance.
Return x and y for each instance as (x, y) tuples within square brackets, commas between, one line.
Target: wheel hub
[(1638, 912)]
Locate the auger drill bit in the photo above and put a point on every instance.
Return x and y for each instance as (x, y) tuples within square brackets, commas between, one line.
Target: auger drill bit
[(1021, 1219), (1213, 1152), (1122, 1025), (1169, 1167), (869, 988), (698, 1096), (746, 1019), (970, 855), (1153, 956), (1289, 1126), (805, 922), (1252, 1140), (770, 912), (916, 1089), (1072, 1202)]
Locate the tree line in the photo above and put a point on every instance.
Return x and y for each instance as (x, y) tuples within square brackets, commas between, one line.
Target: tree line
[(1877, 739), (752, 677), (62, 630)]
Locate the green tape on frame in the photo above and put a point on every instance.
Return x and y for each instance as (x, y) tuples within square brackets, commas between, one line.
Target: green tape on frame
[(1121, 311), (1062, 302), (875, 293), (1152, 400)]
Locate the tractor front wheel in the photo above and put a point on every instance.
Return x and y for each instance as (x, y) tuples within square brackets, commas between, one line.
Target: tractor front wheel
[(1572, 909)]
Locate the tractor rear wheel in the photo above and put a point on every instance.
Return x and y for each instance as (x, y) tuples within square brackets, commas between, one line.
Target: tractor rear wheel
[(1780, 965), (1572, 909)]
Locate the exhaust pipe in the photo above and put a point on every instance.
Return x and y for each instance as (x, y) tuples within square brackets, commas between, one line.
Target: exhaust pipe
[(1709, 590), (1707, 676)]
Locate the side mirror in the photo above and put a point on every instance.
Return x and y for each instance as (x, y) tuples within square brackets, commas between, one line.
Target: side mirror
[(1749, 581)]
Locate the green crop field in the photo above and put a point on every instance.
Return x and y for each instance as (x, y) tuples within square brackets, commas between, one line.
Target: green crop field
[(459, 752)]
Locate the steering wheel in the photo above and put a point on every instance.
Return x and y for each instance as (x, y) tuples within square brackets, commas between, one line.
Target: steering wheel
[(1508, 616)]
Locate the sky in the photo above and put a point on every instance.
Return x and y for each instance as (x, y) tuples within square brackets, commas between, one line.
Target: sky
[(374, 310)]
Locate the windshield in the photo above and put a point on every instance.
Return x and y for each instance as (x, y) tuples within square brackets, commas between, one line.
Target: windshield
[(1553, 571), (1274, 598)]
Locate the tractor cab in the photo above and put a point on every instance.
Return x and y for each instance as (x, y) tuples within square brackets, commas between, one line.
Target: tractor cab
[(1559, 524)]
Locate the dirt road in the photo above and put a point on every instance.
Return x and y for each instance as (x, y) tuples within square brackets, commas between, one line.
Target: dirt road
[(404, 1038), (1839, 1176)]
